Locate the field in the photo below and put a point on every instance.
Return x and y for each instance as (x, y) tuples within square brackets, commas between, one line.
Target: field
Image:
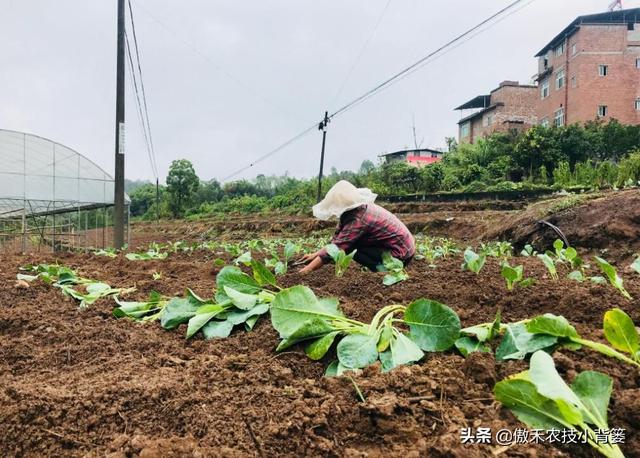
[(83, 383)]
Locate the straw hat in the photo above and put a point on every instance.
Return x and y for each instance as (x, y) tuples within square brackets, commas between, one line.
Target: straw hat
[(343, 196)]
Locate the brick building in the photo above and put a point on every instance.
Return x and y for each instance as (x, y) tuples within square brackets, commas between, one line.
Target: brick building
[(591, 70), (511, 106)]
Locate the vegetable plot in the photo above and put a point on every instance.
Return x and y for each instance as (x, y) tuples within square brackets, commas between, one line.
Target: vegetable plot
[(340, 258)]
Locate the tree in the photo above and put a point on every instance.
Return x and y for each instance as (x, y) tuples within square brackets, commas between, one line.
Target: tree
[(143, 198), (366, 167), (182, 185)]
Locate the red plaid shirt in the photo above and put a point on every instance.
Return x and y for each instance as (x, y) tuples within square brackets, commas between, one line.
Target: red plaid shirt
[(372, 225)]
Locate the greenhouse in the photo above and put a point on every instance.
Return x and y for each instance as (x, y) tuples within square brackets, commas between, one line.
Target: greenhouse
[(52, 197)]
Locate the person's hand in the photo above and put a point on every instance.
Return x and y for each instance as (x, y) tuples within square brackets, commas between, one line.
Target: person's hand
[(307, 258)]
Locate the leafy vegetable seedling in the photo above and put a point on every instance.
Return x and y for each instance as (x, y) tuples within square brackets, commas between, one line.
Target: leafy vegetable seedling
[(541, 399), (615, 279), (473, 261), (515, 276), (154, 252), (549, 264), (340, 258), (621, 333), (395, 269), (636, 265), (299, 316)]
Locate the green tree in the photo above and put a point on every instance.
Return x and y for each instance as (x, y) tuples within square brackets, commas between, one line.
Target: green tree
[(143, 197), (182, 185)]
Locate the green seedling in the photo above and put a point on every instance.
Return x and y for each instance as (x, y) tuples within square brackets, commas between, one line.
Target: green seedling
[(156, 276), (528, 250), (395, 269), (541, 399), (502, 250), (515, 276), (340, 258), (549, 264), (611, 273), (621, 333), (636, 265), (154, 252), (107, 252), (300, 317), (473, 261)]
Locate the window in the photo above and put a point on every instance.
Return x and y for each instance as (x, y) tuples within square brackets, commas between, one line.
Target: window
[(488, 120), (638, 63), (464, 130), (603, 70), (544, 122), (544, 89), (560, 50), (558, 120), (574, 49), (638, 104), (602, 111), (574, 81), (560, 79)]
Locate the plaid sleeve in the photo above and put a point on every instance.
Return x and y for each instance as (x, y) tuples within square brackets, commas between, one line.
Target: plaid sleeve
[(345, 238)]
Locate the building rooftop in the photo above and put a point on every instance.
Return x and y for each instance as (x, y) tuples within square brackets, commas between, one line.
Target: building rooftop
[(404, 151), (627, 16), (484, 101)]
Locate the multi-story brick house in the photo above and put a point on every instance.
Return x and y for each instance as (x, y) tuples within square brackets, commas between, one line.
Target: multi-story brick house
[(418, 157), (591, 70), (511, 106)]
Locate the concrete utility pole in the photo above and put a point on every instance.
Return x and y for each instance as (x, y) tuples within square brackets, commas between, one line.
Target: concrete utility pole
[(323, 127), (118, 204)]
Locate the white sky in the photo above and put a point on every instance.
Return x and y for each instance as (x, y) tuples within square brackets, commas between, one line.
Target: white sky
[(57, 75)]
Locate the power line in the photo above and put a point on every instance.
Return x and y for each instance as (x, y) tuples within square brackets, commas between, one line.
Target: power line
[(362, 51), (457, 41), (139, 105), (226, 73), (144, 94), (408, 69)]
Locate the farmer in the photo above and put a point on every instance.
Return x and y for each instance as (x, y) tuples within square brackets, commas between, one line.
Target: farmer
[(364, 226)]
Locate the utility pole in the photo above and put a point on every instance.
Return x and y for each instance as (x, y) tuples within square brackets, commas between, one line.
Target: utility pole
[(323, 127), (157, 200), (118, 204)]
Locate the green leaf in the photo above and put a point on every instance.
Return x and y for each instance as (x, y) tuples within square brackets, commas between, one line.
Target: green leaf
[(636, 265), (293, 306), (261, 274), (402, 351), (385, 338), (241, 300), (217, 329), (576, 275), (621, 333), (594, 390), (518, 342), (290, 250), (467, 345), (178, 310), (251, 322), (202, 317), (393, 278), (549, 264), (433, 326), (390, 263), (318, 348), (473, 261), (558, 245), (280, 268), (97, 289), (238, 317), (357, 350), (27, 278), (521, 397), (610, 272), (549, 384), (553, 325), (598, 280), (333, 251), (313, 328), (335, 369), (233, 277), (244, 258)]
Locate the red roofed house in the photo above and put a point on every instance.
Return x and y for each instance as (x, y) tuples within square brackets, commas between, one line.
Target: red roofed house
[(418, 157)]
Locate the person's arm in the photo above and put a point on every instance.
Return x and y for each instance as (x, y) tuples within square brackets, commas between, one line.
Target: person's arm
[(313, 265), (345, 238)]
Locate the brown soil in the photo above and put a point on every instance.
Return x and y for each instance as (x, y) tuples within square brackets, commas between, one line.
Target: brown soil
[(80, 383), (610, 221)]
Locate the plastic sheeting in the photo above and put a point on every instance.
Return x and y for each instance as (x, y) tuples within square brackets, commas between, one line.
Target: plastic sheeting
[(41, 176)]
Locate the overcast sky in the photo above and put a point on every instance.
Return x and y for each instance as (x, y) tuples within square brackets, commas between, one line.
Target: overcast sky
[(228, 81)]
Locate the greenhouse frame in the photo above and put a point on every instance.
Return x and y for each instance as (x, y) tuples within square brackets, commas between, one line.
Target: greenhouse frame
[(52, 197)]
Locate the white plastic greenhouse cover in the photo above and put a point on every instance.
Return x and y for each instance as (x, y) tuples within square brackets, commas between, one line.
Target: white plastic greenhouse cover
[(42, 176)]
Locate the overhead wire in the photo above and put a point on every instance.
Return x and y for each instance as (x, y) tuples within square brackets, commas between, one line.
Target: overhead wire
[(134, 83), (457, 41), (239, 82), (144, 93), (361, 53)]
